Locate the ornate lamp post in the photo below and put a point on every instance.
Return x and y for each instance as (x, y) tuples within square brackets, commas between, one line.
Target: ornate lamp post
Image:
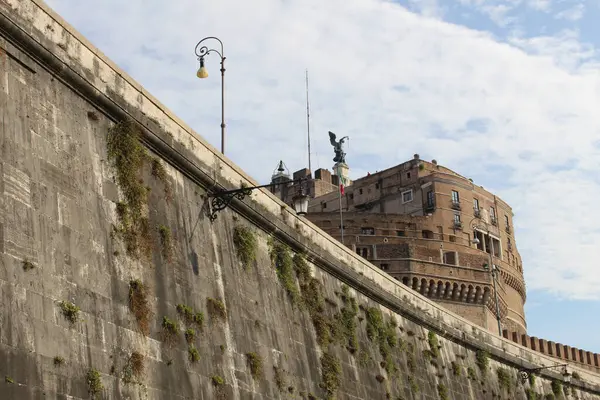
[(221, 199), (494, 270), (201, 52)]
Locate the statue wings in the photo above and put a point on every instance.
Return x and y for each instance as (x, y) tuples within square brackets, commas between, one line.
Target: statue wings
[(332, 139)]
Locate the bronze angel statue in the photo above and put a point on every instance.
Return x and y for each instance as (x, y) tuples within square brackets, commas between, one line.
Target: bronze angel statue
[(340, 156)]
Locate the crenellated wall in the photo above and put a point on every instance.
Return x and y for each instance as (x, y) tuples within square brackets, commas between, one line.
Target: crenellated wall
[(573, 355), (115, 283)]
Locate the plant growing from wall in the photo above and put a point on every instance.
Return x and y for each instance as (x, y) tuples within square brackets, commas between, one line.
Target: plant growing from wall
[(255, 364), (58, 361), (138, 305), (384, 333), (9, 380), (482, 359), (134, 368), (279, 378), (531, 379), (442, 391), (414, 386), (456, 369), (504, 379), (312, 300), (531, 394), (216, 309), (70, 311), (576, 375), (94, 382), (556, 387), (245, 244), (170, 329), (127, 155), (471, 373), (217, 380), (159, 172), (165, 242), (190, 335), (193, 354), (434, 344), (331, 370), (346, 320), (282, 261)]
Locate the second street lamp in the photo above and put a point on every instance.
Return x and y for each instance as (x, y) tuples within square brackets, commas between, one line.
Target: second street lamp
[(201, 52)]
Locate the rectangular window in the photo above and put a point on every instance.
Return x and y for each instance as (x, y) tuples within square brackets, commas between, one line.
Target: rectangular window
[(400, 233), (385, 267), (476, 204), (367, 231), (351, 196), (455, 198), (407, 196), (492, 213), (430, 198), (506, 220), (408, 175), (457, 218), (377, 186), (360, 191)]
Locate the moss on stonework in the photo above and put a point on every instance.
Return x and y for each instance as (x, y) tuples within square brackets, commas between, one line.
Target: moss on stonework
[(282, 260), (279, 378), (442, 391), (331, 370), (245, 244), (482, 359), (456, 369), (347, 321), (70, 311), (434, 344), (414, 386), (138, 305), (190, 335), (255, 364), (94, 382), (159, 172), (556, 387), (471, 373), (531, 394), (504, 379), (216, 309), (384, 333), (127, 155), (165, 242), (170, 329), (193, 355)]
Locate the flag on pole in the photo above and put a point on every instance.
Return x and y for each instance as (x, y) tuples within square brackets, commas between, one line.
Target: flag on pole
[(342, 180)]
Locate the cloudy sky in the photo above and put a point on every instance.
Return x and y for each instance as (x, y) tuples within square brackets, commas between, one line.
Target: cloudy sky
[(503, 91)]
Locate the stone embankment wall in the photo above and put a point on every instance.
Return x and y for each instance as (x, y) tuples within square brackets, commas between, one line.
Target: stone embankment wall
[(115, 284)]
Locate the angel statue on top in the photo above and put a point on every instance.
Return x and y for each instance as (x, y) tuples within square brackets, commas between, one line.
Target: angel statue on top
[(340, 156)]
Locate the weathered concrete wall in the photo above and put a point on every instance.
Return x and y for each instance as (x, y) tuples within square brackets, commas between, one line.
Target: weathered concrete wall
[(62, 240)]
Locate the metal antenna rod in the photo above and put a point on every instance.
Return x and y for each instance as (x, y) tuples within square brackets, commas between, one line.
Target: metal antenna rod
[(308, 122)]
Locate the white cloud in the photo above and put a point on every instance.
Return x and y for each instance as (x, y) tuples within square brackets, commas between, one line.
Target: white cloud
[(539, 97), (571, 14), (540, 5)]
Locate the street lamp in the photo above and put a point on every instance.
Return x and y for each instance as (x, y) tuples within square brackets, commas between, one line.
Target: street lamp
[(524, 373), (222, 198), (494, 268), (201, 52)]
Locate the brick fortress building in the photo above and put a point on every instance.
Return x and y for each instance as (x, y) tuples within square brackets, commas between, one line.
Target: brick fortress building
[(430, 228)]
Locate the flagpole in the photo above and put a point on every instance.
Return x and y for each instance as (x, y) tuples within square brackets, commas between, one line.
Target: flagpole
[(340, 185), (341, 217)]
